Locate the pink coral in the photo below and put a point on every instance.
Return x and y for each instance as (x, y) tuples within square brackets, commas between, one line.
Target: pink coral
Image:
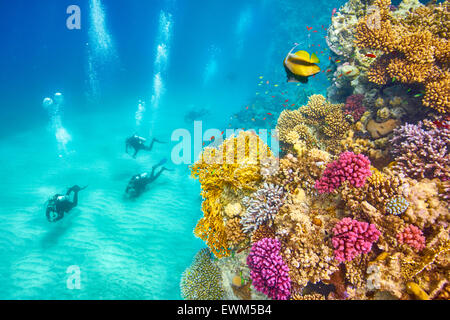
[(354, 106), (354, 168), (352, 238), (413, 237), (269, 273)]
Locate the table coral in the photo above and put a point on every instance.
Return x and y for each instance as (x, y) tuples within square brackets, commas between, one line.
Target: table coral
[(349, 167), (269, 273), (352, 238)]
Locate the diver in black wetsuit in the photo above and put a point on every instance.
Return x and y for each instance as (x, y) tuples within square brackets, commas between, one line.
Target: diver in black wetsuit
[(60, 204), (138, 144), (139, 182)]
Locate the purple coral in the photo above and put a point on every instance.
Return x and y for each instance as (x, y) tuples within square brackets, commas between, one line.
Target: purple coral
[(421, 153), (354, 106), (413, 237), (352, 238), (269, 273), (262, 206), (351, 167)]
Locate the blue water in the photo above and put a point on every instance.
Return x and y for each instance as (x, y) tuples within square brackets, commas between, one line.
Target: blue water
[(212, 55)]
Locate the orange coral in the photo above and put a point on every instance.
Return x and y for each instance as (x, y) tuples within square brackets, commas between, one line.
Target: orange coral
[(416, 49)]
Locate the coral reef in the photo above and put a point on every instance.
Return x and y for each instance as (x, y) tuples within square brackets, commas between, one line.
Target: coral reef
[(354, 106), (422, 152), (352, 238), (415, 49), (357, 205), (349, 167), (270, 275), (233, 167), (413, 237), (202, 280), (262, 206)]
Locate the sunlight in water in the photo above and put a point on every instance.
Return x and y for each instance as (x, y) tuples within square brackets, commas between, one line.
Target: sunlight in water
[(161, 60), (244, 22), (101, 51)]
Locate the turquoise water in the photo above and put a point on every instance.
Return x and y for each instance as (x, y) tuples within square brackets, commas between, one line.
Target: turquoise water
[(212, 59)]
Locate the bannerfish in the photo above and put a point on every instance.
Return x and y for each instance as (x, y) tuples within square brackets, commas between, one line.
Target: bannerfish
[(300, 65)]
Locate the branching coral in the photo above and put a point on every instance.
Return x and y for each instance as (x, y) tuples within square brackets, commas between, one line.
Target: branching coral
[(202, 280), (234, 233), (235, 166), (413, 237), (422, 153), (354, 106), (318, 124), (262, 206), (352, 238), (270, 274), (349, 167), (415, 46)]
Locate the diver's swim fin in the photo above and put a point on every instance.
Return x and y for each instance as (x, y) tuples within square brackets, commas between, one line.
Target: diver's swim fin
[(163, 161), (164, 168), (159, 141)]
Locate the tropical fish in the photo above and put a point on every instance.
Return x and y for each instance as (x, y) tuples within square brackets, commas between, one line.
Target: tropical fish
[(300, 65), (333, 12), (269, 113), (309, 28), (371, 55)]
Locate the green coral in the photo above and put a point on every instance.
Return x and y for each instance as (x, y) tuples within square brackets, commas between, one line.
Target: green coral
[(203, 279)]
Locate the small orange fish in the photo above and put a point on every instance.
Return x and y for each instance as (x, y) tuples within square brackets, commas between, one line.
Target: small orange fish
[(338, 61), (315, 31), (269, 113), (340, 75), (309, 28), (213, 138), (264, 119), (328, 70), (246, 108), (273, 96), (287, 100), (222, 132), (348, 72), (267, 82), (371, 55)]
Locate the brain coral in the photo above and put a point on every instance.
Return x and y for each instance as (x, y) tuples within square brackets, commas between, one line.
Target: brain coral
[(202, 280), (269, 273)]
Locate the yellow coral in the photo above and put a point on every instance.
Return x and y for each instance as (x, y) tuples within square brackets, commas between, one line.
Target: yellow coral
[(234, 165), (416, 49)]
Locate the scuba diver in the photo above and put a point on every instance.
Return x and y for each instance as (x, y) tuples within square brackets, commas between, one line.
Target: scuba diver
[(138, 144), (60, 204), (139, 182)]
